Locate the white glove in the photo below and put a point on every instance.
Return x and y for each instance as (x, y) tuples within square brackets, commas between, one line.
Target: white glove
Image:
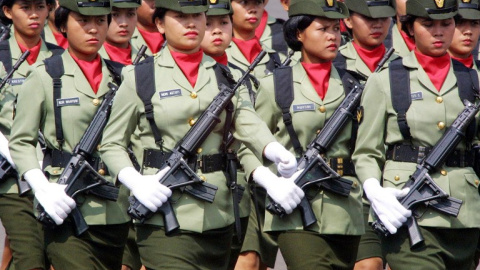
[(384, 202), (282, 190), (285, 161), (51, 196), (4, 151), (146, 188)]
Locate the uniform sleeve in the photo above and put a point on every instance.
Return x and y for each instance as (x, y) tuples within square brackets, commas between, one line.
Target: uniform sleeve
[(121, 125), (30, 110), (369, 154), (7, 99)]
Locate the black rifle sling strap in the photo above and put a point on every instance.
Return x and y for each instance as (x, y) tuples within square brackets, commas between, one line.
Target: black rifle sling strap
[(283, 88), (278, 41), (248, 82), (6, 55), (54, 49), (223, 75), (54, 68), (340, 61), (349, 80), (115, 70), (467, 83), (273, 62)]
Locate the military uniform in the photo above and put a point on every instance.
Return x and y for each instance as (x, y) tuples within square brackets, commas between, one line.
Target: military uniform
[(272, 35), (108, 220), (399, 43), (430, 112), (137, 41)]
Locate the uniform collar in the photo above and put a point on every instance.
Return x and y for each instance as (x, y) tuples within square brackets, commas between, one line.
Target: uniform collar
[(16, 52)]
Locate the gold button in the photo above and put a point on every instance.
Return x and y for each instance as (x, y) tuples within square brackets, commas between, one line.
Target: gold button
[(441, 125), (95, 102), (193, 95), (203, 178), (439, 99), (443, 172), (355, 184), (318, 132), (396, 178), (101, 172), (322, 109), (55, 172), (199, 150), (154, 54), (98, 147), (191, 122), (477, 182)]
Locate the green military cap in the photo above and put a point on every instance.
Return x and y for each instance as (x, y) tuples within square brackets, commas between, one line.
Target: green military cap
[(468, 9), (373, 8), (126, 3), (433, 9), (219, 7), (331, 9), (183, 6), (88, 7)]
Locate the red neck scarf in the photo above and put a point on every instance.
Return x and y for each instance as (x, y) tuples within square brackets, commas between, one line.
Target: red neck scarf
[(61, 40), (92, 71), (468, 62), (222, 59), (436, 67), (117, 54), (189, 64), (250, 48), (34, 51), (154, 40), (370, 58), (263, 24), (408, 40), (319, 74)]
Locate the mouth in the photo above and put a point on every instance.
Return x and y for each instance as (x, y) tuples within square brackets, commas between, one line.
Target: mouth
[(332, 47), (34, 25), (467, 42), (252, 20), (191, 34), (92, 41), (376, 34), (123, 32), (217, 41), (438, 44)]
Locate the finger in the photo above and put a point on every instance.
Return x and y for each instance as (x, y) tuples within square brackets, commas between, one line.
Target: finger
[(392, 229), (149, 205), (165, 190), (300, 193), (287, 208), (70, 202), (56, 219)]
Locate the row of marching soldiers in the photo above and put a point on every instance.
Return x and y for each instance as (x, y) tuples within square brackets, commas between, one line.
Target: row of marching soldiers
[(197, 140)]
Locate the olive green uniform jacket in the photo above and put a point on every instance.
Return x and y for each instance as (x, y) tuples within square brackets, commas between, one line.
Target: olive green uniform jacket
[(35, 110), (172, 116), (335, 214), (267, 35), (137, 41), (428, 118), (48, 33), (401, 48), (8, 99)]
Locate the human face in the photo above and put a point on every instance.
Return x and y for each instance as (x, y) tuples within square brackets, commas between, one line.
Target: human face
[(122, 26), (368, 32), (320, 40), (465, 38), (401, 7), (183, 32), (218, 35), (145, 14), (28, 17), (85, 34), (246, 17), (432, 37)]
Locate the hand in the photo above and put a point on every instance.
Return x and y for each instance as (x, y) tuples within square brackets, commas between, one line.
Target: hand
[(56, 203), (285, 161), (4, 151), (384, 202), (282, 190), (146, 188)]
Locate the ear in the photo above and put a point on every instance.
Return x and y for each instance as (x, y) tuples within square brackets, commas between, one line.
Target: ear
[(300, 35), (410, 29), (7, 11), (348, 22), (160, 25)]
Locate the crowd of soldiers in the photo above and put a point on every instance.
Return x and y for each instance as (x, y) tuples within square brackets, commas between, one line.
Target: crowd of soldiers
[(206, 134)]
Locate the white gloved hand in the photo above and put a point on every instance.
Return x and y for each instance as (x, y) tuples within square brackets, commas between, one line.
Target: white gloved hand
[(4, 151), (146, 188), (285, 161), (384, 202), (283, 191), (56, 203)]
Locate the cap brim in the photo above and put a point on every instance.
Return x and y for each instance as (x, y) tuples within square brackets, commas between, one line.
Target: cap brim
[(381, 12), (338, 15), (309, 8), (218, 12), (125, 5), (443, 16), (193, 9), (469, 14), (94, 11)]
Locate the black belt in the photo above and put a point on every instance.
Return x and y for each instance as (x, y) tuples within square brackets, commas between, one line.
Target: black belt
[(415, 154), (154, 158), (343, 166), (57, 158)]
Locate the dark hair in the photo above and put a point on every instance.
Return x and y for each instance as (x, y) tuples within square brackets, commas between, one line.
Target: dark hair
[(294, 25), (159, 13), (407, 22), (9, 3)]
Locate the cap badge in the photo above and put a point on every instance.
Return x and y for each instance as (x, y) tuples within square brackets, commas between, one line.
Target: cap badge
[(329, 3), (213, 2), (439, 3), (466, 1)]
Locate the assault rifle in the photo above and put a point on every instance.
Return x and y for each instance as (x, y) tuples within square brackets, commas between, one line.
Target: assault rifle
[(180, 174), (4, 31), (316, 171), (79, 175), (423, 188), (6, 169), (141, 54)]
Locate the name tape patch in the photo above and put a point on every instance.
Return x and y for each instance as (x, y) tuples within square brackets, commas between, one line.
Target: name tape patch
[(417, 96), (170, 93), (68, 102), (16, 81), (303, 107)]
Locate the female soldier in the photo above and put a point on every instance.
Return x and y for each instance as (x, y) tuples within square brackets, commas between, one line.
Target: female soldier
[(117, 46), (51, 33), (146, 32), (436, 96), (85, 77), (313, 28), (184, 83), (28, 18)]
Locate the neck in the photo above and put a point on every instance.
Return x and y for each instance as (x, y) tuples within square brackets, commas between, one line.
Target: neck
[(366, 47), (148, 28), (310, 59), (123, 45), (82, 56), (28, 42), (243, 35), (194, 50), (459, 55)]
